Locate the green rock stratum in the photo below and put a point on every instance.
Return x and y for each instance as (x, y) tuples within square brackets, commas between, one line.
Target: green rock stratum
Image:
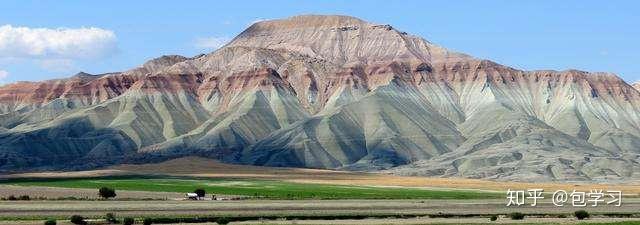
[(331, 92)]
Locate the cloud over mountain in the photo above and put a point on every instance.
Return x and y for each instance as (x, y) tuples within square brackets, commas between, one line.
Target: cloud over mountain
[(68, 43), (332, 92)]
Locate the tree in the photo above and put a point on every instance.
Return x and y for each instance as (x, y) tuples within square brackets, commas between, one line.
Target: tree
[(200, 192), (493, 218), (222, 221), (111, 218), (581, 214), (107, 193), (516, 216), (147, 221), (128, 221), (50, 222), (79, 220)]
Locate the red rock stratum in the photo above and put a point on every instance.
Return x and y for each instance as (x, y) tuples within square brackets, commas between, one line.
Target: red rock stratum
[(331, 92)]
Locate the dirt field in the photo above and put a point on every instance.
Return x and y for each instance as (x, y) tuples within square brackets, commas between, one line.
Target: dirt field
[(414, 221), (193, 166), (421, 209), (292, 207), (417, 211), (53, 193)]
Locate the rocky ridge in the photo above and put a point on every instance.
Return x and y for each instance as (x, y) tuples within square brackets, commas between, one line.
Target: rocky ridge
[(331, 92)]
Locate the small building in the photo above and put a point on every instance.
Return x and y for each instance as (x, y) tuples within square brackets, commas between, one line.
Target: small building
[(192, 196)]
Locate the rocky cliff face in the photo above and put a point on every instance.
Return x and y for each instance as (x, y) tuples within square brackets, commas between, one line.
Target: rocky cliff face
[(332, 92)]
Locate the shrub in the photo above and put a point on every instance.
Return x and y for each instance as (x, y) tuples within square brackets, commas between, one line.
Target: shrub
[(128, 221), (493, 218), (581, 214), (50, 222), (12, 198), (24, 197), (200, 192), (106, 192), (516, 216), (562, 216), (222, 221), (111, 218), (147, 221), (75, 219)]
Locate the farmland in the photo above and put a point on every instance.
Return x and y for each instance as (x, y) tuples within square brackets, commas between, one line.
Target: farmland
[(312, 211), (207, 168), (285, 196), (268, 189)]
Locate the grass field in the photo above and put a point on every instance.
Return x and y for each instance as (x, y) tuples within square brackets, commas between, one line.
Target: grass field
[(252, 187), (202, 167), (147, 191)]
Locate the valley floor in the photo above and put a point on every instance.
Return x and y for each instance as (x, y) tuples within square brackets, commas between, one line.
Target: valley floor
[(207, 168), (289, 196)]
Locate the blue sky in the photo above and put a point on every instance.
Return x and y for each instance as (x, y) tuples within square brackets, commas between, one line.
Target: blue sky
[(119, 35)]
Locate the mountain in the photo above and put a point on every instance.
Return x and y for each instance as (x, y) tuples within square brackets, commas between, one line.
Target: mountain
[(636, 85), (331, 92)]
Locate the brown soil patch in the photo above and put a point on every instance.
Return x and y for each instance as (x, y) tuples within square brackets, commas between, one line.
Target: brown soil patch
[(201, 167)]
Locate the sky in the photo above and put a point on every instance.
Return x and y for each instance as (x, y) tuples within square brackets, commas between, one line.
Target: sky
[(55, 39)]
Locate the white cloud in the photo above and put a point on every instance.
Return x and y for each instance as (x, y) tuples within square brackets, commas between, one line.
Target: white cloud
[(211, 42), (66, 43), (3, 75)]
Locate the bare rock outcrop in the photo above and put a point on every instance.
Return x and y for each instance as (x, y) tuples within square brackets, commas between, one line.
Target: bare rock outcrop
[(331, 92)]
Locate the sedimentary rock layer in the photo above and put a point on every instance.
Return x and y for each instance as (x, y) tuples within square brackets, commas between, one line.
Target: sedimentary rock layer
[(331, 92)]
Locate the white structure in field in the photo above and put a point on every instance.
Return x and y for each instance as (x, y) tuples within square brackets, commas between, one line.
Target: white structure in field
[(192, 196)]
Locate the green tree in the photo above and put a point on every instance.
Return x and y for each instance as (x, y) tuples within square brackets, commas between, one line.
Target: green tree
[(200, 192), (50, 222), (111, 218), (128, 221), (78, 220), (222, 221), (516, 216), (106, 192), (581, 214)]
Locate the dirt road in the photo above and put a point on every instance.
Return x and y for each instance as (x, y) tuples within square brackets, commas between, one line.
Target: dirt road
[(293, 207)]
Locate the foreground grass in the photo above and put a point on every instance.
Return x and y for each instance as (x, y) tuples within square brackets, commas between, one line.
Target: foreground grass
[(252, 187), (581, 223), (161, 220)]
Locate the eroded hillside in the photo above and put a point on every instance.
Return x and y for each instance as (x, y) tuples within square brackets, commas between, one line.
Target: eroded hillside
[(331, 92)]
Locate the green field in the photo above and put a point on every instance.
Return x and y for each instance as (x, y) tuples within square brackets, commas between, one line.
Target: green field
[(267, 189)]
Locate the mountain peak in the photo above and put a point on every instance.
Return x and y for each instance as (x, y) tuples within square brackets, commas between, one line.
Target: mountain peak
[(284, 92), (636, 85), (162, 62), (309, 21), (340, 40), (82, 74)]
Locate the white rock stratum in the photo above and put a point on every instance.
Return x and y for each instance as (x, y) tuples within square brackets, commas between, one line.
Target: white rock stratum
[(332, 92)]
